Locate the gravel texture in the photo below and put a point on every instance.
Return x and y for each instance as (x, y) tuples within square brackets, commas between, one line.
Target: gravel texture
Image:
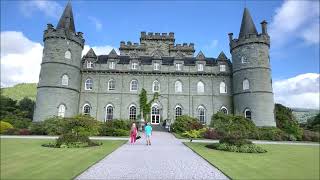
[(166, 158)]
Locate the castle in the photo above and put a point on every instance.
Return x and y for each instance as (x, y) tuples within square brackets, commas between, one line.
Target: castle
[(107, 87)]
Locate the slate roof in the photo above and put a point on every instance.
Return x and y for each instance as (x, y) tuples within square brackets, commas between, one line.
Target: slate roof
[(66, 21), (247, 24)]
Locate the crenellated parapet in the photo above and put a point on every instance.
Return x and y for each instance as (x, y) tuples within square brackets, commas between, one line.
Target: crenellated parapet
[(51, 32), (249, 39), (127, 48), (157, 36), (185, 48)]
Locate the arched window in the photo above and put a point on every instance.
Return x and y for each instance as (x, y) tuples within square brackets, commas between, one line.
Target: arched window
[(67, 54), (223, 87), (202, 114), (200, 87), (247, 113), (86, 109), (155, 86), (245, 84), (155, 114), (111, 84), (178, 86), (133, 112), (61, 110), (88, 84), (65, 80), (244, 60), (178, 111), (134, 85), (109, 112), (224, 110)]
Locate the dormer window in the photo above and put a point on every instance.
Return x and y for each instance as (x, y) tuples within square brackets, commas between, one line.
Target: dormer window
[(89, 64), (200, 67), (134, 66), (178, 66), (112, 65), (222, 68), (156, 66)]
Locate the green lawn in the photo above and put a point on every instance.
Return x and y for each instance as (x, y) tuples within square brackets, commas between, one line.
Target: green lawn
[(27, 159), (280, 162)]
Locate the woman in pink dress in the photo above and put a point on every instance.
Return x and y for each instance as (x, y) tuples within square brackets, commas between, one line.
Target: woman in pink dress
[(133, 133)]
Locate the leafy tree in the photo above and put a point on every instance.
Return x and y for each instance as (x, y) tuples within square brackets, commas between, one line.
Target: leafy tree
[(286, 121), (27, 105), (7, 106), (314, 123)]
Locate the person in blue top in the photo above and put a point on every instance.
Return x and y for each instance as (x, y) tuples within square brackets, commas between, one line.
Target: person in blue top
[(148, 131)]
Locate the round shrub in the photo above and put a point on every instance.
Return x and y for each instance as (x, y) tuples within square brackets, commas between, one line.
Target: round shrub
[(211, 133), (186, 123), (38, 128), (4, 127), (115, 128)]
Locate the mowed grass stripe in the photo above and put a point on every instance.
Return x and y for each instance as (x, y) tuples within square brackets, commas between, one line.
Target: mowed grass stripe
[(27, 159), (280, 162)]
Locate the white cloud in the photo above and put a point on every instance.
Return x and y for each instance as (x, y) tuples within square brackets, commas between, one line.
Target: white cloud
[(97, 23), (296, 19), (47, 7), (299, 91), (21, 58)]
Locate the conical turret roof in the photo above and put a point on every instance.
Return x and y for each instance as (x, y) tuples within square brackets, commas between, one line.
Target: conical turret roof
[(66, 21), (247, 24)]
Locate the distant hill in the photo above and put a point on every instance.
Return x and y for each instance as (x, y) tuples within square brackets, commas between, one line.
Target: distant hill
[(20, 91), (303, 114)]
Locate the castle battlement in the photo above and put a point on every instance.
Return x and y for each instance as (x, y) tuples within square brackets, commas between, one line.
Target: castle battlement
[(51, 32), (248, 39), (182, 47), (157, 36), (131, 46)]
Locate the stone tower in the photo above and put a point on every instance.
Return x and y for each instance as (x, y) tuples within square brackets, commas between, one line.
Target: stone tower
[(60, 77), (252, 84)]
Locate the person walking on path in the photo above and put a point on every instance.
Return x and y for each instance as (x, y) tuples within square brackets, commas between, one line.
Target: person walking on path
[(148, 131), (133, 133)]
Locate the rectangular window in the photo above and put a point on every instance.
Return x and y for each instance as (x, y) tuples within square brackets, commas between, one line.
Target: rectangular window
[(111, 65), (178, 66), (156, 66), (222, 68), (200, 67), (134, 66), (89, 64)]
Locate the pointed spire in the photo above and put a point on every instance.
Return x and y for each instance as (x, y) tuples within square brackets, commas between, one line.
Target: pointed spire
[(91, 54), (113, 54), (200, 56), (66, 21), (247, 24), (222, 56)]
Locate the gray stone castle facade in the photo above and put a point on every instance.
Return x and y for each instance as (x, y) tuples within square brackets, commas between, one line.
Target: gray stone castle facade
[(108, 86)]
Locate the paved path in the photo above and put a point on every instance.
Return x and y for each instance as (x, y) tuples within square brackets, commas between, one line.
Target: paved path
[(167, 158)]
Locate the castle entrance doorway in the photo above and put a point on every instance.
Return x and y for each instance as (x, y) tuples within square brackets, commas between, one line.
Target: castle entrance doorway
[(155, 114)]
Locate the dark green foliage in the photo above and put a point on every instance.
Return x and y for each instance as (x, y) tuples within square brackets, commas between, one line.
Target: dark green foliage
[(236, 142), (38, 128), (145, 106), (27, 105), (211, 133), (314, 123), (236, 127), (12, 131), (115, 128), (186, 123), (246, 148), (18, 121), (287, 122), (271, 133)]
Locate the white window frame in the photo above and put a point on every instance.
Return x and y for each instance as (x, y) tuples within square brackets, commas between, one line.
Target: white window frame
[(245, 84), (178, 111), (107, 115), (111, 85), (89, 64), (88, 85), (112, 65), (65, 80), (245, 113), (132, 113), (200, 67), (132, 85), (222, 68), (83, 109), (156, 66), (223, 87), (68, 54), (244, 60), (154, 85), (200, 109), (200, 87), (134, 66), (178, 86), (61, 110), (224, 108), (178, 66)]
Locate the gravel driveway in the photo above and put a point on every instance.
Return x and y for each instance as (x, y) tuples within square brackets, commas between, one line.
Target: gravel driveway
[(167, 158)]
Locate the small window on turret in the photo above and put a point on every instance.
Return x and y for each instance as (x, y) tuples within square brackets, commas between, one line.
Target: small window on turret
[(244, 60), (245, 84), (67, 54)]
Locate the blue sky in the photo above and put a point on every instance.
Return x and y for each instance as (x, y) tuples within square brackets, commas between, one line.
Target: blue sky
[(293, 26)]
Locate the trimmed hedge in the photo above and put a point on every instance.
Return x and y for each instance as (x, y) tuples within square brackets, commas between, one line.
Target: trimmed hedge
[(246, 148), (115, 128)]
